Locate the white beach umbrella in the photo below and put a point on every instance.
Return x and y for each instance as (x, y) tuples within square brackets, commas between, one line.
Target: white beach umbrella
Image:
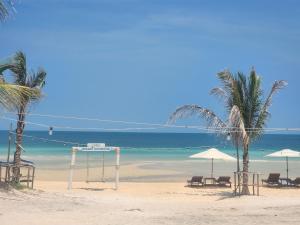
[(212, 154), (287, 153)]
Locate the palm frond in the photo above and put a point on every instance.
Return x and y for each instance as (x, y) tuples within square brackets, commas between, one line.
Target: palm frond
[(254, 102), (278, 85), (33, 80), (19, 69), (228, 86), (226, 77), (264, 114), (37, 80), (212, 119), (5, 65), (219, 92), (237, 126), (227, 80), (11, 96), (239, 92)]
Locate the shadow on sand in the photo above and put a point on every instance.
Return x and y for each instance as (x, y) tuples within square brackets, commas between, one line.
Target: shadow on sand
[(94, 189)]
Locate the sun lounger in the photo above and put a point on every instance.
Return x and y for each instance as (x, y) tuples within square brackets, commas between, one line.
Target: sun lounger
[(223, 181), (196, 181), (296, 182), (273, 179)]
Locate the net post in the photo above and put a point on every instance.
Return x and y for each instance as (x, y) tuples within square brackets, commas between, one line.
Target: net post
[(73, 159), (117, 168), (257, 184)]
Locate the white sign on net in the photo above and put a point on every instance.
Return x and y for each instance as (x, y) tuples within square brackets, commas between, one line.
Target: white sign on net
[(96, 145)]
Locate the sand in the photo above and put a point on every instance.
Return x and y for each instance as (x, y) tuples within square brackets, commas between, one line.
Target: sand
[(145, 203), (165, 171), (149, 193)]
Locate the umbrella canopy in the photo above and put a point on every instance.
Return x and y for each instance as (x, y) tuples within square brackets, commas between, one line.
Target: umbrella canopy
[(212, 154), (287, 153)]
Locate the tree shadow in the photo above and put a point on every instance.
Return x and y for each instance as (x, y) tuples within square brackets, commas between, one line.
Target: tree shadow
[(94, 189), (223, 192), (222, 195), (4, 186)]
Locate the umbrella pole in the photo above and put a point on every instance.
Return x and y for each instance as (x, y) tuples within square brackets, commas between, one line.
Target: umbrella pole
[(287, 167)]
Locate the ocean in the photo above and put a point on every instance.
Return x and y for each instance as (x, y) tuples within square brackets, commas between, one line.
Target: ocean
[(137, 147)]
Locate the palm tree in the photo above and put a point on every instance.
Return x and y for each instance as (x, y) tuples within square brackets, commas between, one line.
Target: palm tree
[(6, 7), (33, 81), (246, 108), (11, 95)]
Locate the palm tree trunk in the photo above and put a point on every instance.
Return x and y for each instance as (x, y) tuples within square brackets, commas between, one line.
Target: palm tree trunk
[(19, 140), (245, 189)]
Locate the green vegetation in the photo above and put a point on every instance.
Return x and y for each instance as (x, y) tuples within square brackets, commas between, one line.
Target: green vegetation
[(33, 80), (27, 89), (246, 108)]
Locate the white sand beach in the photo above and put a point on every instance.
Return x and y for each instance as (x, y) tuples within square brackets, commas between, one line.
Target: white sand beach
[(126, 116), (145, 203), (137, 202)]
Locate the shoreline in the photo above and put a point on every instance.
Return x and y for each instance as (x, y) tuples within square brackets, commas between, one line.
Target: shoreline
[(163, 171)]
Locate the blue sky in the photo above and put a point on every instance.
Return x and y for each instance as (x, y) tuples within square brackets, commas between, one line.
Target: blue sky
[(139, 60)]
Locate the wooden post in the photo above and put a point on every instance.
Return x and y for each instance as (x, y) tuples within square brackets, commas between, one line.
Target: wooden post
[(239, 177), (257, 184), (7, 175), (234, 174), (33, 174), (117, 168), (28, 176), (287, 168), (73, 159), (253, 184), (212, 167)]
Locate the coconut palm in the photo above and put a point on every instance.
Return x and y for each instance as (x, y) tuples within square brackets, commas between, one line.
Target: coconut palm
[(33, 81), (246, 108), (14, 95)]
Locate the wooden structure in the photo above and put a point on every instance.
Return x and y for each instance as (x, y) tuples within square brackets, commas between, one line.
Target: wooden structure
[(27, 168), (238, 182), (94, 147), (27, 171)]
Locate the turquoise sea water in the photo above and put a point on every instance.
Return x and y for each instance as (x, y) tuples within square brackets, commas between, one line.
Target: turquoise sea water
[(137, 147)]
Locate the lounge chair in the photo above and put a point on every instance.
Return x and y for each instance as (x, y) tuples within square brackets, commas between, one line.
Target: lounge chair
[(296, 182), (273, 179), (223, 181), (196, 181)]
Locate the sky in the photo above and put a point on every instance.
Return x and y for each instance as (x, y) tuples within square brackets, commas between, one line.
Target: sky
[(136, 60)]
